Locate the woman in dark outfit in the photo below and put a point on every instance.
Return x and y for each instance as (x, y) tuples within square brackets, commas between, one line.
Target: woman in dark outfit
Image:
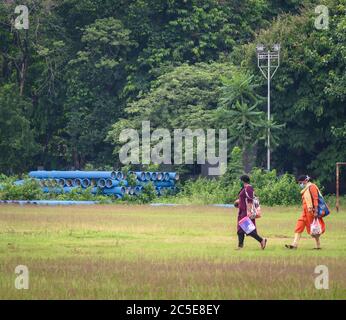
[(246, 193)]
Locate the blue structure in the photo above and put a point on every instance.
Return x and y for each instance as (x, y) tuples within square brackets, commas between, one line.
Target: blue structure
[(74, 174), (112, 183), (48, 202)]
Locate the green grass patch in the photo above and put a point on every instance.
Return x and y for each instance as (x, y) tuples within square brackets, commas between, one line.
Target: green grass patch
[(143, 252)]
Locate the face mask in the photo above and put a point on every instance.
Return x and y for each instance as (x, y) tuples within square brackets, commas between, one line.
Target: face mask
[(302, 185)]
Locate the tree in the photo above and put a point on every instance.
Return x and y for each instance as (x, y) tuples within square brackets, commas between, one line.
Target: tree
[(185, 97), (86, 69), (308, 92), (32, 64), (234, 168), (274, 128), (238, 111), (17, 143), (339, 132), (95, 79)]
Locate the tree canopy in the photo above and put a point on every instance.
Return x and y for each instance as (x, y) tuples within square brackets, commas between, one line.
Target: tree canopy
[(86, 69)]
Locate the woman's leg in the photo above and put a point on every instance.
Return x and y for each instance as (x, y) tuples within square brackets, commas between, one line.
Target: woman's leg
[(255, 235), (241, 237), (300, 226), (261, 240), (318, 243), (296, 239)]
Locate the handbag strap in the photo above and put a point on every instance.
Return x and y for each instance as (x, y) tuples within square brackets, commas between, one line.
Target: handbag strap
[(247, 196)]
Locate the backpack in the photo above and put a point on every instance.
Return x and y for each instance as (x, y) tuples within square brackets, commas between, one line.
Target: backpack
[(254, 210), (322, 209)]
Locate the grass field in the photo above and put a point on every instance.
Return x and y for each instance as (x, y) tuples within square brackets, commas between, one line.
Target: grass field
[(143, 252)]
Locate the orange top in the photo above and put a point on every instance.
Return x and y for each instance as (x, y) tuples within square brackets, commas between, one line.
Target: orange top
[(307, 216), (314, 197)]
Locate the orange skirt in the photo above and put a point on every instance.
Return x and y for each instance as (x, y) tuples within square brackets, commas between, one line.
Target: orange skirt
[(306, 220)]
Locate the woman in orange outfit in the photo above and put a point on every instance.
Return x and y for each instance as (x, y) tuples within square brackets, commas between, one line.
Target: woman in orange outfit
[(310, 210)]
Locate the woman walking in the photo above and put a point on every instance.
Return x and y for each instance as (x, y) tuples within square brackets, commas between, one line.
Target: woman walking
[(246, 196), (310, 212)]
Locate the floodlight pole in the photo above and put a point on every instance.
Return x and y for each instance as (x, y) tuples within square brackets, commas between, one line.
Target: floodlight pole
[(268, 113), (269, 56)]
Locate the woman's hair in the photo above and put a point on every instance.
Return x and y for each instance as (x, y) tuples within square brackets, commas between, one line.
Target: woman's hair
[(304, 177), (245, 178)]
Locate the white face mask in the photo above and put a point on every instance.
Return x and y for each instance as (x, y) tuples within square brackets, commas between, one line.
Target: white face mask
[(302, 185)]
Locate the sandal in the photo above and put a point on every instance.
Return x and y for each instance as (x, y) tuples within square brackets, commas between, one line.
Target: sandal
[(264, 243), (289, 246)]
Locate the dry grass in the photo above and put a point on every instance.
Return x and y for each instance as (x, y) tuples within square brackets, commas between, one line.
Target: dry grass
[(143, 252)]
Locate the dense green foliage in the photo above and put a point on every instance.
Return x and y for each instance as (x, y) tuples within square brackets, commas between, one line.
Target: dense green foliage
[(31, 190), (270, 188), (147, 195), (309, 90), (87, 69)]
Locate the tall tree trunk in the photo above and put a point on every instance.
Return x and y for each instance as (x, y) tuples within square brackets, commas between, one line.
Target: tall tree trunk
[(22, 65), (76, 161), (22, 75)]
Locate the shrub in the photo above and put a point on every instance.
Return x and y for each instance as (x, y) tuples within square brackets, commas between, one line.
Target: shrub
[(3, 177), (29, 190), (281, 190), (148, 193), (131, 180), (79, 194), (201, 191), (269, 187)]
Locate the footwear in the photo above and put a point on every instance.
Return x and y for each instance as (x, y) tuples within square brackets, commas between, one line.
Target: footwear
[(239, 248), (289, 246), (318, 248), (264, 243)]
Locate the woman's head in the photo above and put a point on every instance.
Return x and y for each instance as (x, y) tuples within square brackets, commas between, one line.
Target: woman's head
[(303, 180), (245, 178)]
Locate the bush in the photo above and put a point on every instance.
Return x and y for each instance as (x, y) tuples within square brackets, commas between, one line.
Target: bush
[(147, 195), (131, 180), (201, 191), (3, 177), (29, 190), (275, 190), (80, 194), (270, 188)]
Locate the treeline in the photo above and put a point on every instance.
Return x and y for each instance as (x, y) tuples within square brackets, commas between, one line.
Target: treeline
[(84, 70)]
